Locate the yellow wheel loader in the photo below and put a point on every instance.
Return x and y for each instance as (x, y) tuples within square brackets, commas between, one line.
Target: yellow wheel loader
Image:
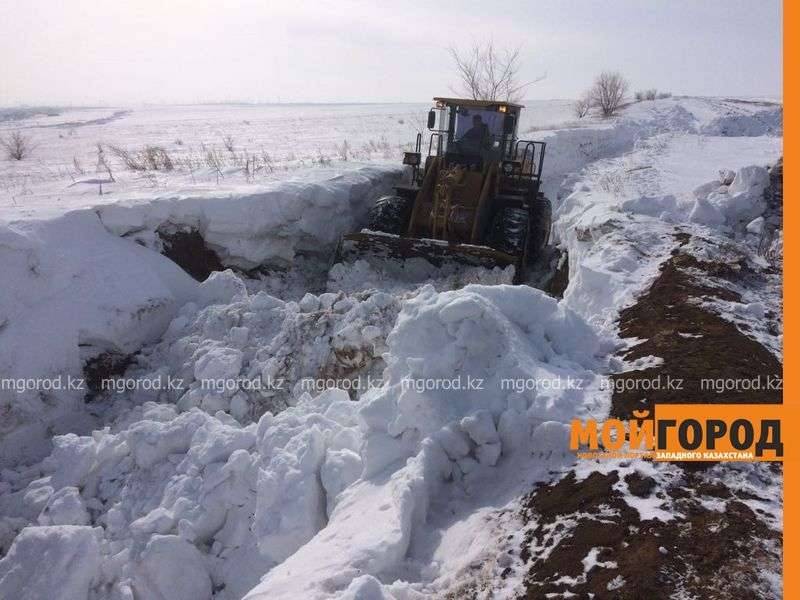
[(474, 200)]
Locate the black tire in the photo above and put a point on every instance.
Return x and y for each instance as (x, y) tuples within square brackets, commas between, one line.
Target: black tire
[(390, 214), (509, 231), (542, 222)]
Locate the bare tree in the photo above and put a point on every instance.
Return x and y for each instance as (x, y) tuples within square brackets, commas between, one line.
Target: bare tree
[(488, 74), (650, 94), (581, 106), (608, 92), (17, 146)]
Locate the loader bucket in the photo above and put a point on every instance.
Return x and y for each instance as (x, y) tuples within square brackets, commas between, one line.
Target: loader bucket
[(372, 246)]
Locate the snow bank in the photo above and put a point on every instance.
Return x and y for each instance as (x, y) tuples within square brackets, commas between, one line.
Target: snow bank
[(203, 500), (727, 117), (255, 224), (763, 122), (568, 151), (82, 287), (476, 380), (617, 217), (484, 338), (616, 241), (735, 205), (251, 353), (71, 291)]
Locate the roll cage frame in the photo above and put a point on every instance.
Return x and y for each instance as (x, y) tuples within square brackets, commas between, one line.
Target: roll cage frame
[(520, 159)]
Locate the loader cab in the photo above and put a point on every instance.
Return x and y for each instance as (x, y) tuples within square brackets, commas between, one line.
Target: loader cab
[(473, 132), (476, 134)]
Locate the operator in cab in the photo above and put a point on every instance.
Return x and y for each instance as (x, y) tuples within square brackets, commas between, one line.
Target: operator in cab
[(475, 137)]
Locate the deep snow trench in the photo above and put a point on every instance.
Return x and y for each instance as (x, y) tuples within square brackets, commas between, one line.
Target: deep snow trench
[(352, 433)]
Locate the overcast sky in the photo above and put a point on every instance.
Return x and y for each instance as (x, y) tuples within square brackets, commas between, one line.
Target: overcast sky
[(87, 52)]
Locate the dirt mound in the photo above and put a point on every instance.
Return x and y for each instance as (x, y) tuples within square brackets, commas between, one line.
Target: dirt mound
[(585, 539), (698, 348), (703, 553)]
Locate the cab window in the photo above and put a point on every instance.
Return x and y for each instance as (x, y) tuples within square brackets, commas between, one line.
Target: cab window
[(474, 119)]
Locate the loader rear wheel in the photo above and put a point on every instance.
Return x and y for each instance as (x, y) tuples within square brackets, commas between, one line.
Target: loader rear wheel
[(542, 221), (390, 214), (509, 231)]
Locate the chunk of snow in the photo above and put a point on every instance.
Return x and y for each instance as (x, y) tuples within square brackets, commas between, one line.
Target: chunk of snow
[(616, 583), (480, 427), (726, 176), (65, 507), (340, 469), (218, 364), (365, 587), (756, 226), (309, 303), (171, 567), (488, 454), (48, 562), (752, 180), (704, 212)]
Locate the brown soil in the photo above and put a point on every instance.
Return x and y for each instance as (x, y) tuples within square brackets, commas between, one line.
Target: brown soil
[(188, 250), (696, 345), (102, 368), (705, 553), (558, 283)]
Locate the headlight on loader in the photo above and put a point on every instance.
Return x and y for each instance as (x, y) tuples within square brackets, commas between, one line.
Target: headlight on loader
[(412, 158)]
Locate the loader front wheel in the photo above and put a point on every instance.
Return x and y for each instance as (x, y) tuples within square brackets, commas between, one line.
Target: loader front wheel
[(542, 222), (390, 214), (509, 231)]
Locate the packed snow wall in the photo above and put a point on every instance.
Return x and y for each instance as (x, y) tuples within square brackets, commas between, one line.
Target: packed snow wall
[(93, 281)]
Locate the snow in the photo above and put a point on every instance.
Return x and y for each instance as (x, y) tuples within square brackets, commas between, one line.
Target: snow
[(70, 554), (82, 289), (590, 561), (250, 225), (740, 202), (292, 142), (617, 221), (425, 425), (68, 303), (168, 481), (171, 567), (358, 436)]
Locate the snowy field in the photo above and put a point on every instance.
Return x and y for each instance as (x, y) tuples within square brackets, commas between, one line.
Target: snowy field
[(222, 467), (209, 146)]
